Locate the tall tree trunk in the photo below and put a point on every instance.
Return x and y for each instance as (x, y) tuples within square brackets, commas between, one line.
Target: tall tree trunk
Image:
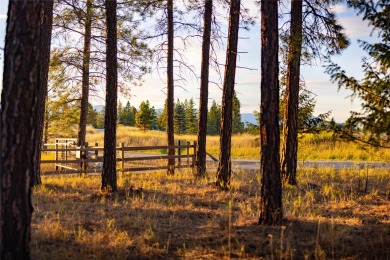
[(271, 188), (85, 76), (224, 165), (109, 163), (290, 117), (204, 90), (18, 125), (44, 56), (170, 89)]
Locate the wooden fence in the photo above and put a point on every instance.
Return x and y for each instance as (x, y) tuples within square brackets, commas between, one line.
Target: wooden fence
[(89, 159)]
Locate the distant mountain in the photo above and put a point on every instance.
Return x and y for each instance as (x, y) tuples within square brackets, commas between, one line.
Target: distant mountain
[(248, 118), (98, 108), (158, 110)]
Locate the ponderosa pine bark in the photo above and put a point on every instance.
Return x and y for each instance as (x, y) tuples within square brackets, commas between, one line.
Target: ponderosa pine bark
[(271, 188), (290, 117), (224, 165), (204, 90), (44, 60), (85, 76), (109, 178), (18, 125), (170, 89)]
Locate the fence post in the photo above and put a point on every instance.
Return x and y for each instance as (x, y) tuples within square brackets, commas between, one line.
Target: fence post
[(123, 157), (96, 151), (188, 153), (366, 185), (193, 156), (179, 153), (56, 146), (81, 159), (96, 156), (85, 157), (66, 154)]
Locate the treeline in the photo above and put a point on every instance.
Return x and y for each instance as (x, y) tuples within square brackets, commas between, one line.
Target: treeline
[(63, 117), (146, 117)]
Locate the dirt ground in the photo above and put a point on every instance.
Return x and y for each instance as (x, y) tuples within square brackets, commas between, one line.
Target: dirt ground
[(155, 216)]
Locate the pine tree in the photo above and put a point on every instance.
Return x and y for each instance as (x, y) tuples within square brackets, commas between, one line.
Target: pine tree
[(121, 113), (224, 163), (46, 20), (62, 115), (109, 176), (271, 209), (19, 117), (191, 117), (85, 74), (92, 116), (128, 115), (100, 119), (145, 116), (84, 19), (314, 30), (204, 89), (238, 126), (374, 88), (170, 86), (162, 119), (179, 118), (214, 119)]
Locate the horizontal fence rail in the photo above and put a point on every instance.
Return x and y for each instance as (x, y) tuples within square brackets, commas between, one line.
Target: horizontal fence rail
[(89, 159)]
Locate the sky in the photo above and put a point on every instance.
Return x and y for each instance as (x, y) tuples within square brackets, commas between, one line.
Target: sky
[(328, 96)]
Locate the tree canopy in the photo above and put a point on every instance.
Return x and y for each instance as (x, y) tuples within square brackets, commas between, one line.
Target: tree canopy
[(374, 88)]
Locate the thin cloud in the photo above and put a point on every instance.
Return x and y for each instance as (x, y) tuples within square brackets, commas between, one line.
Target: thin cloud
[(356, 27), (3, 16), (339, 9)]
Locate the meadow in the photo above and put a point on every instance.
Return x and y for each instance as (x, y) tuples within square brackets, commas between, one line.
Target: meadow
[(329, 215), (321, 146)]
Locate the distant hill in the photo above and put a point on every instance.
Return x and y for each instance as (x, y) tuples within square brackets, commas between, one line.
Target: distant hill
[(98, 108), (248, 117), (158, 110)]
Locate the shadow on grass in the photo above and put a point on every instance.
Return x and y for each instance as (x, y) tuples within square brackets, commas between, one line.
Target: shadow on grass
[(157, 224)]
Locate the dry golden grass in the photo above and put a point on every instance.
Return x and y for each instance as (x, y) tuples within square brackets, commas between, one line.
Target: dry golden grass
[(322, 146), (328, 215)]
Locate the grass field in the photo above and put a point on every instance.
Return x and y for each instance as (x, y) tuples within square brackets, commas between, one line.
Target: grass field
[(329, 215), (322, 146)]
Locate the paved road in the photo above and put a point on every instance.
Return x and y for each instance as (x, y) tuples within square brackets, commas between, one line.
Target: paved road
[(254, 165), (247, 164), (250, 164)]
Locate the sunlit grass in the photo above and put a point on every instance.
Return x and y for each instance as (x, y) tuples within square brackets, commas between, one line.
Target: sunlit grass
[(320, 146), (330, 213)]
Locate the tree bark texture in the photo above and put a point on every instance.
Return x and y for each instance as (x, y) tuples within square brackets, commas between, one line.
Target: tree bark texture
[(224, 165), (204, 90), (85, 76), (271, 190), (18, 125), (44, 60), (290, 117), (170, 88), (109, 178)]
